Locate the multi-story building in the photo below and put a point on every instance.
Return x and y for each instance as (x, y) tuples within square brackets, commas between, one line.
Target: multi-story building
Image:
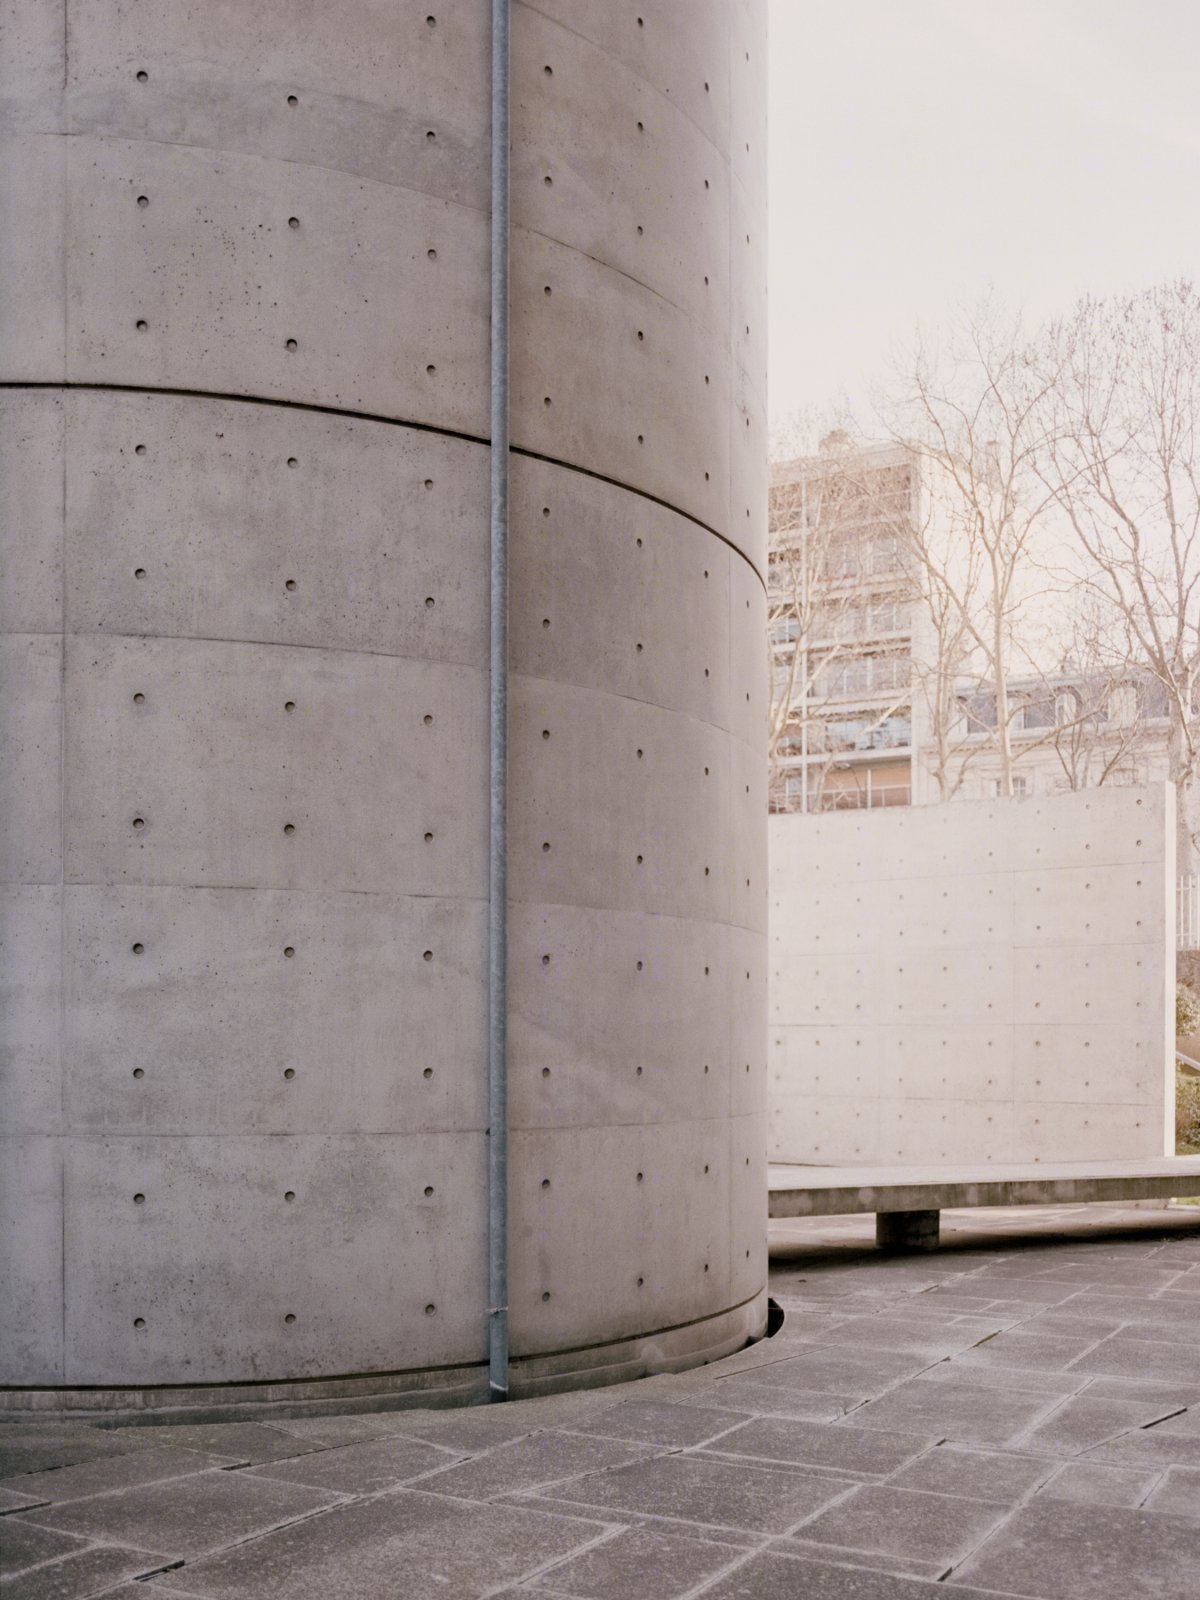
[(872, 704), (842, 606), (1068, 730)]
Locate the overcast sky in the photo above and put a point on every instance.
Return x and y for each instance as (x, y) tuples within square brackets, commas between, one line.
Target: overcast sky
[(922, 150)]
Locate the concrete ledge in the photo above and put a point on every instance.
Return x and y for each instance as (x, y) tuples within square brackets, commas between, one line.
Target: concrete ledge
[(797, 1191)]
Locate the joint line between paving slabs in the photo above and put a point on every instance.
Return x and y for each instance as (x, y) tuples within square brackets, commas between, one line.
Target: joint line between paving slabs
[(735, 1564), (895, 1384), (1029, 1495), (610, 1532)]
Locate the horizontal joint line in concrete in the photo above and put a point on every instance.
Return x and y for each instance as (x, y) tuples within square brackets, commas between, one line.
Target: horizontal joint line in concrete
[(664, 98), (647, 1333), (265, 644), (584, 688), (127, 886), (642, 494), (621, 911), (349, 414)]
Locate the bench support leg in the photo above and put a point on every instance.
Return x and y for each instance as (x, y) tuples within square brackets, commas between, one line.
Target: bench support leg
[(906, 1230)]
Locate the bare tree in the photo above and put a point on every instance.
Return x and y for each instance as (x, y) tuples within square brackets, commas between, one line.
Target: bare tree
[(1095, 702), (1121, 461), (974, 415)]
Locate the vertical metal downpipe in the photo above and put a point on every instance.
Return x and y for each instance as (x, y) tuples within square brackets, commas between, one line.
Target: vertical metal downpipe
[(497, 1139)]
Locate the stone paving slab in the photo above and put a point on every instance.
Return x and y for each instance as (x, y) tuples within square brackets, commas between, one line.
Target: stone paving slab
[(662, 1422), (714, 1493), (635, 1561), (1089, 1483), (763, 1399), (861, 1374), (623, 1516), (1163, 1394), (1148, 1448), (81, 1574), (1019, 1418), (1040, 1351), (366, 1468), (247, 1441), (10, 1500), (36, 1447), (1178, 1493), (1124, 1357), (1078, 1552), (774, 1576), (25, 1544), (920, 1337), (1081, 1423), (536, 1462), (950, 1409), (415, 1545), (805, 1444), (933, 1529), (1143, 1318), (185, 1516), (974, 1474), (1006, 1379), (61, 1485)]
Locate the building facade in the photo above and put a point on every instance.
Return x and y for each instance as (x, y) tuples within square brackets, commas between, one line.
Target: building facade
[(878, 699), (843, 625)]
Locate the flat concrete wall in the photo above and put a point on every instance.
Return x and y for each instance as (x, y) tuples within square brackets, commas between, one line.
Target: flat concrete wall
[(243, 747), (981, 981)]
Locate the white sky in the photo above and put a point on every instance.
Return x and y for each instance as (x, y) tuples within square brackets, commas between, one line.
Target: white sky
[(924, 150)]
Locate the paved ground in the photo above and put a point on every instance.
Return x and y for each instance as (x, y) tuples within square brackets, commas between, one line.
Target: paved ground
[(1012, 1416)]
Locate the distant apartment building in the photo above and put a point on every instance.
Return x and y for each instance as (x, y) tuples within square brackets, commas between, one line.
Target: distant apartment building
[(842, 604), (869, 707)]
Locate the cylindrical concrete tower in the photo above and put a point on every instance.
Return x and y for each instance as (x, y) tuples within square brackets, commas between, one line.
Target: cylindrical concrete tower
[(244, 268)]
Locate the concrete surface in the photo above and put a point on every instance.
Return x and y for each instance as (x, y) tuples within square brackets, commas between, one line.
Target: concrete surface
[(243, 638), (1015, 1416), (981, 982)]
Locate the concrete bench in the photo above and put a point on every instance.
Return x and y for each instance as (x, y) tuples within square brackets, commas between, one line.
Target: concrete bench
[(907, 1201)]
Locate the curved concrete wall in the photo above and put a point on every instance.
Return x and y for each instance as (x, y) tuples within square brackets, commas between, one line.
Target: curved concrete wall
[(243, 774)]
